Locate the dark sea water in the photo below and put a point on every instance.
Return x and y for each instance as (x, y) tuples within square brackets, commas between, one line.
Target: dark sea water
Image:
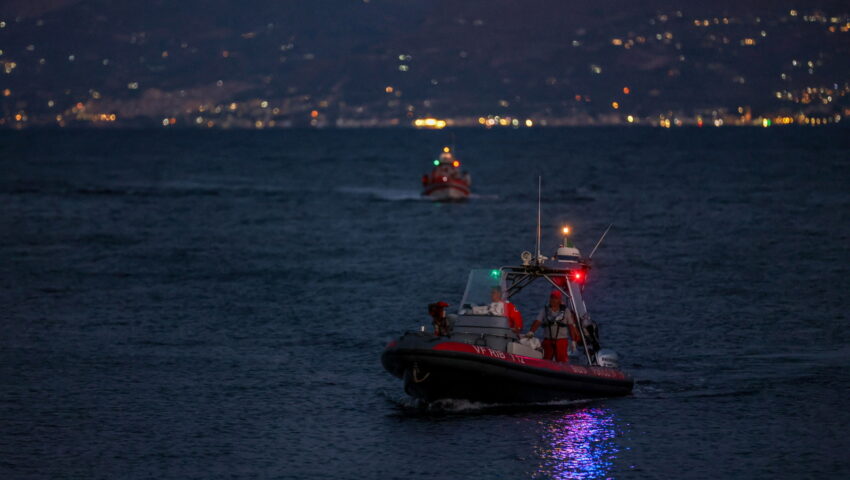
[(214, 305)]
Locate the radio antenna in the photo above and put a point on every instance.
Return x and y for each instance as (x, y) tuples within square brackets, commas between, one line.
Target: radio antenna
[(600, 241), (539, 189)]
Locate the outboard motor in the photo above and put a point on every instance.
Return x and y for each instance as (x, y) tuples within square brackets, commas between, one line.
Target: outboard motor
[(607, 358)]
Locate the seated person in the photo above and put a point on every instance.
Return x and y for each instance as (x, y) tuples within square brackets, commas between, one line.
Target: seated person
[(437, 311), (560, 327), (591, 334), (504, 308)]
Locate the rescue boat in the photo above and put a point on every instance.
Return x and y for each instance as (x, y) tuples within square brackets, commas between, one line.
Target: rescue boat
[(480, 358), (446, 182)]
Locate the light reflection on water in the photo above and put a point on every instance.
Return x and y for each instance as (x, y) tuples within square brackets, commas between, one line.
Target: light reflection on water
[(579, 444)]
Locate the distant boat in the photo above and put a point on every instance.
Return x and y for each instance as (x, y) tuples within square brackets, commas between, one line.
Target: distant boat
[(446, 182)]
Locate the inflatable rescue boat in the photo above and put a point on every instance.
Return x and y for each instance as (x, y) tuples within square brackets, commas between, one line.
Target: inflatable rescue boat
[(477, 356)]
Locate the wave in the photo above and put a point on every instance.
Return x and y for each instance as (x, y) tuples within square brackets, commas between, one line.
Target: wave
[(408, 406), (401, 195), (385, 194)]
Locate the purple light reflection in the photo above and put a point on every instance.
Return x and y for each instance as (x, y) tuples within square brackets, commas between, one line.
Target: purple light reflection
[(577, 445)]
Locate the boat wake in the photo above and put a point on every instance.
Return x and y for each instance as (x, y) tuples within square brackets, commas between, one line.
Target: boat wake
[(385, 194), (479, 196), (400, 195), (465, 406), (408, 406)]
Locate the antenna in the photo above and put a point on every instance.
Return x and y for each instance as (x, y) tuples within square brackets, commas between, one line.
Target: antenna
[(600, 241), (539, 189)]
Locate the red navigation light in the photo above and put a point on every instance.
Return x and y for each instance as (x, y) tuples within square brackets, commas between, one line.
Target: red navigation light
[(578, 276), (455, 164)]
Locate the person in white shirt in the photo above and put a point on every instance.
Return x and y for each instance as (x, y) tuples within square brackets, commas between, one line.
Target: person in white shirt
[(560, 326), (505, 308)]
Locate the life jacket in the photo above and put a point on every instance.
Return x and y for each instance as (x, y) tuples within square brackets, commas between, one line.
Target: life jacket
[(562, 323), (557, 323), (441, 326)]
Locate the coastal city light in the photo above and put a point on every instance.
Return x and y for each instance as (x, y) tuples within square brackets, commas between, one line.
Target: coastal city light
[(430, 123), (146, 80)]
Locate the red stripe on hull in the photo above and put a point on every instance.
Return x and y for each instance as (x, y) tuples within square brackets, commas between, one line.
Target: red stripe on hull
[(450, 185), (531, 362)]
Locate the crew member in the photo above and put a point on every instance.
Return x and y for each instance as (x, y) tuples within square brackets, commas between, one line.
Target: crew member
[(438, 318), (560, 325), (591, 334), (504, 308)]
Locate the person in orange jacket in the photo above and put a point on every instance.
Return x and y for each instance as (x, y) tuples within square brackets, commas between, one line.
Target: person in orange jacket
[(505, 308)]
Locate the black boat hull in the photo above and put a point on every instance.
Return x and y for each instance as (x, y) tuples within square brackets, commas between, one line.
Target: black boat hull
[(433, 370)]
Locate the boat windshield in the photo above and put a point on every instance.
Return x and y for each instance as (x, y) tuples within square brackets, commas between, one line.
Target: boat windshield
[(481, 282)]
